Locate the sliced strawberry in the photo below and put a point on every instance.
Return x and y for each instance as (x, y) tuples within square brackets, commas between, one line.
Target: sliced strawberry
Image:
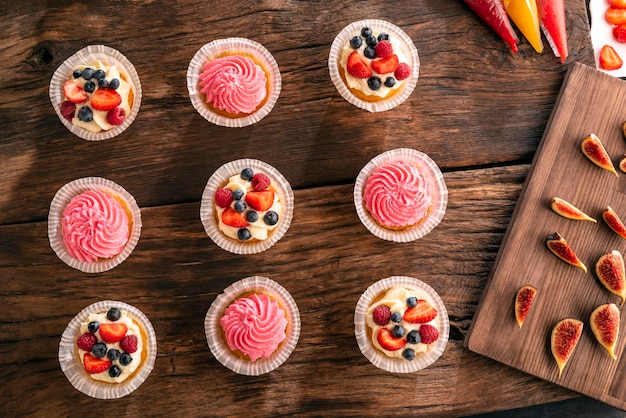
[(386, 65), (260, 201), (74, 93), (112, 333), (618, 4), (421, 313), (357, 66), (105, 99), (609, 59), (388, 341), (93, 364), (615, 16), (233, 218)]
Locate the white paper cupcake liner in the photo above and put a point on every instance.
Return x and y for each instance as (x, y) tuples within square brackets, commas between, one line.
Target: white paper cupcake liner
[(215, 49), (63, 197), (219, 347), (82, 57), (76, 374), (400, 365), (379, 26), (438, 189), (218, 179)]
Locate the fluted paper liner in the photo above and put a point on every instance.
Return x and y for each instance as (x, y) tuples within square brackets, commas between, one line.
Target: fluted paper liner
[(217, 48), (219, 179), (438, 189), (90, 53), (73, 368), (214, 334), (63, 197), (400, 365), (378, 25)]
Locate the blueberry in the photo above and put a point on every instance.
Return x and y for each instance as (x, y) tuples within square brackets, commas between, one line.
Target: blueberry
[(99, 74), (371, 40), (114, 371), (113, 354), (244, 234), (93, 326), (374, 83), (369, 52), (408, 354), (114, 84), (390, 82), (103, 83), (270, 218), (99, 349), (252, 216), (89, 86), (113, 314), (240, 206), (238, 194), (413, 337), (85, 114), (411, 301), (77, 73), (247, 174), (125, 359), (88, 73), (356, 42), (366, 31), (383, 36), (396, 317), (398, 331)]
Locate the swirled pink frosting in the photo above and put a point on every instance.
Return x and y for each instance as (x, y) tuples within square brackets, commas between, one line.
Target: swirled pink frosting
[(234, 84), (94, 225), (397, 195), (254, 325)]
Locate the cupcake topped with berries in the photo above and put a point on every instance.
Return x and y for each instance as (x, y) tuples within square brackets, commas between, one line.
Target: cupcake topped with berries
[(96, 93), (374, 65)]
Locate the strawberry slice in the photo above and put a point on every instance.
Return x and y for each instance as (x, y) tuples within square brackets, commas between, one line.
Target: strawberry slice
[(74, 93), (112, 333), (615, 16), (386, 65), (105, 99), (260, 201), (233, 218), (388, 341), (357, 66), (421, 313), (609, 59), (618, 4), (93, 364)]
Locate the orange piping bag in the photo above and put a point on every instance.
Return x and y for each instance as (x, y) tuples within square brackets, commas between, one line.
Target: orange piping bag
[(526, 17)]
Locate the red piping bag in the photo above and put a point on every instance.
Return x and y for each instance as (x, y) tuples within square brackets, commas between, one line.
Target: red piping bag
[(493, 14), (552, 19)]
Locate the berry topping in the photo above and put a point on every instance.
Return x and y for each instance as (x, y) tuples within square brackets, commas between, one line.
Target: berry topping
[(240, 206), (390, 82), (125, 359), (398, 331), (411, 301), (93, 326), (113, 354), (374, 83), (429, 334), (77, 73), (94, 364), (386, 65), (369, 52), (244, 234), (99, 349), (402, 72), (238, 194), (114, 84), (381, 315), (115, 371), (105, 99), (103, 83), (396, 317), (388, 342), (356, 42), (99, 74), (114, 314), (383, 36), (357, 67), (74, 93), (129, 343), (366, 31), (384, 49), (116, 116), (86, 341), (260, 182), (408, 354), (112, 333), (260, 201), (232, 218), (371, 40), (421, 313), (88, 73), (413, 337), (247, 174), (252, 216), (68, 109), (89, 86), (85, 114), (270, 217), (223, 197)]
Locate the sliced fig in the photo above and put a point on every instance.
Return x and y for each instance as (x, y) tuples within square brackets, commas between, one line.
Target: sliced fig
[(624, 129), (622, 164), (563, 340), (569, 211), (593, 149), (604, 322), (559, 247), (614, 222), (523, 301), (611, 273)]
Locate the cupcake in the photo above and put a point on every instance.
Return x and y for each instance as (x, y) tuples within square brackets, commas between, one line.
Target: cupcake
[(400, 195), (233, 82), (108, 350), (93, 224), (253, 327), (401, 324), (247, 206), (374, 65), (96, 93)]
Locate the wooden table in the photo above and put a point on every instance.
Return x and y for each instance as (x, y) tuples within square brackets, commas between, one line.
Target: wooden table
[(478, 110)]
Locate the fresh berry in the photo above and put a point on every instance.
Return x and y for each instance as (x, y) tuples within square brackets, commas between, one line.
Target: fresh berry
[(77, 74), (384, 49), (390, 82), (619, 33), (232, 218), (223, 198), (615, 16), (244, 234), (114, 84), (619, 4), (115, 371), (413, 337), (86, 341), (116, 116), (371, 40), (387, 341), (112, 333), (421, 313), (129, 343), (93, 364), (398, 331), (113, 354), (408, 354), (381, 315), (370, 52), (89, 86), (252, 216), (270, 218), (93, 326), (411, 301), (402, 72), (609, 59), (105, 99), (260, 201), (85, 114), (114, 314), (366, 31), (99, 74), (386, 65), (103, 83), (383, 36), (125, 359), (357, 67), (240, 206), (68, 109), (356, 42), (238, 194), (99, 349), (88, 73), (429, 334), (260, 182), (374, 83), (396, 317), (247, 174), (74, 93)]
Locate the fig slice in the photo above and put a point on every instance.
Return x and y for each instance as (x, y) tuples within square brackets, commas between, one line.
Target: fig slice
[(593, 149), (569, 211), (611, 273), (622, 164), (604, 322), (560, 247), (614, 222), (563, 340), (523, 301)]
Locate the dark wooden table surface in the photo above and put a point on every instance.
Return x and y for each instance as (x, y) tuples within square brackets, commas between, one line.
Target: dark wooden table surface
[(478, 110)]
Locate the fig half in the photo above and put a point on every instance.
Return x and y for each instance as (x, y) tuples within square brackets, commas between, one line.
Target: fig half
[(593, 149), (604, 322), (614, 222), (559, 247), (523, 302), (622, 164), (611, 273), (563, 340), (569, 211)]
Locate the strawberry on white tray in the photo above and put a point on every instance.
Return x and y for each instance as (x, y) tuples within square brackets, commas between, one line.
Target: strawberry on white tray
[(602, 34)]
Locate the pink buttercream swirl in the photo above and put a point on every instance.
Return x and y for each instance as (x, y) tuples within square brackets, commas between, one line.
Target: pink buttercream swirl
[(94, 225), (234, 84), (254, 325), (397, 195)]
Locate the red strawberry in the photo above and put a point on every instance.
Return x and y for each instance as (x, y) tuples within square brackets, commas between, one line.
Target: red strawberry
[(381, 315), (428, 333), (609, 59), (86, 341), (116, 116), (402, 72), (223, 197), (619, 33), (386, 65), (260, 201), (260, 182), (388, 341), (384, 49), (68, 109), (105, 99), (74, 93), (615, 16), (421, 313), (357, 66), (93, 364), (618, 4), (129, 343), (233, 218), (112, 333)]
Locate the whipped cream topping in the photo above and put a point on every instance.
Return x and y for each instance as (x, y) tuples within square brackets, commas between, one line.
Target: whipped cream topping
[(254, 325), (234, 84), (397, 195), (94, 225)]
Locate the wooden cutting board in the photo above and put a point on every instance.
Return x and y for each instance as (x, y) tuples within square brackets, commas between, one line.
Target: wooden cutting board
[(589, 102)]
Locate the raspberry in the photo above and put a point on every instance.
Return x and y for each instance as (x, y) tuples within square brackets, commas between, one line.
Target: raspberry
[(384, 49), (223, 197), (129, 343), (260, 182), (403, 71), (116, 116), (68, 109), (619, 32), (86, 341), (429, 334), (381, 315)]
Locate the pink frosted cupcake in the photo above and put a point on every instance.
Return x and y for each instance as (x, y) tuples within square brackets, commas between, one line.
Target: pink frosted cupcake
[(253, 327)]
